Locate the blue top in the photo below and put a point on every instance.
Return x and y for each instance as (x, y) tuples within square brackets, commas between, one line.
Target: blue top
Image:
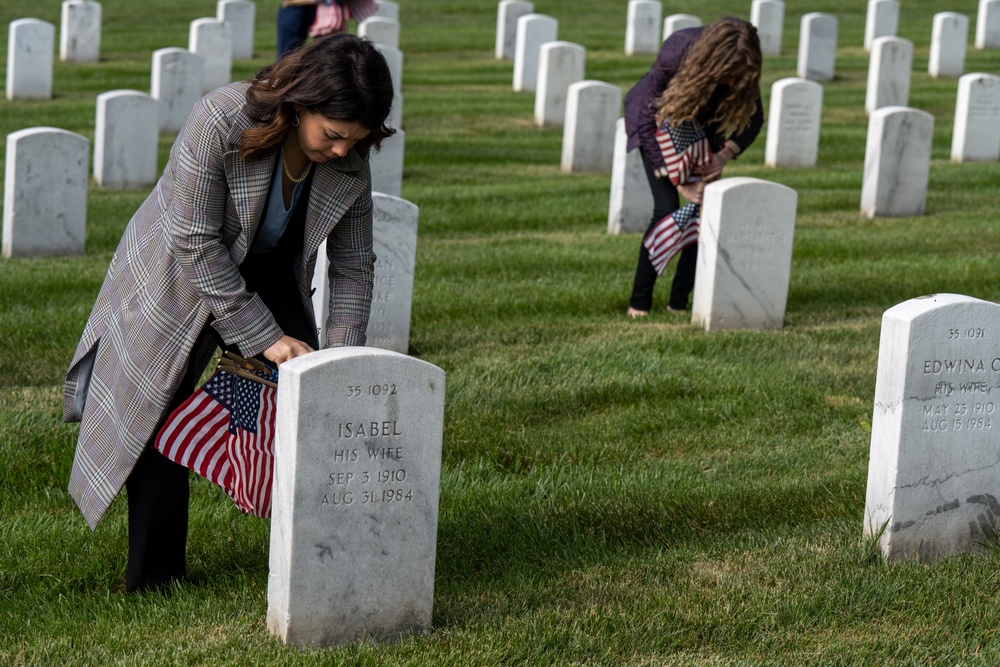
[(276, 216)]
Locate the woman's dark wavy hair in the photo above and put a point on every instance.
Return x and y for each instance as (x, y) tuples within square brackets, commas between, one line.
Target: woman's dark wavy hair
[(341, 77)]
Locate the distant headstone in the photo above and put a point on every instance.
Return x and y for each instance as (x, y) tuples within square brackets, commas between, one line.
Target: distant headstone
[(395, 117), (126, 139), (387, 165), (768, 16), (676, 22), (381, 30), (395, 231), (744, 255), (976, 137), (29, 59), (533, 30), (241, 16), (357, 469), (889, 68), (45, 193), (932, 485), (793, 123), (988, 25), (560, 64), (213, 41), (592, 111), (882, 20), (176, 84), (508, 12), (394, 58), (630, 205), (817, 46), (80, 31), (642, 27), (947, 59), (387, 9), (897, 162)]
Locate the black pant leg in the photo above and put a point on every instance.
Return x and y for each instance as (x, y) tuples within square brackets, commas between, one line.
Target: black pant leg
[(683, 283), (665, 201)]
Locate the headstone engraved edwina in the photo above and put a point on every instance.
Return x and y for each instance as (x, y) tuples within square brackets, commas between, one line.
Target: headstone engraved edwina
[(355, 500), (933, 483)]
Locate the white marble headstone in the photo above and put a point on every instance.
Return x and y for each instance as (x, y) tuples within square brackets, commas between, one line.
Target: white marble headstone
[(176, 84), (395, 231), (45, 193), (988, 25), (592, 111), (882, 20), (630, 204), (976, 136), (29, 59), (80, 31), (560, 65), (642, 27), (933, 486), (768, 16), (241, 16), (126, 139), (533, 30), (213, 41), (793, 123), (508, 12), (817, 47), (889, 68), (381, 30), (744, 255), (948, 37), (357, 470), (387, 9), (897, 162), (387, 165), (394, 59), (676, 22)]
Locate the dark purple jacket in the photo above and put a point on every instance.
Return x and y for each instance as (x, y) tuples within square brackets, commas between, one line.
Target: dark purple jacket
[(640, 112)]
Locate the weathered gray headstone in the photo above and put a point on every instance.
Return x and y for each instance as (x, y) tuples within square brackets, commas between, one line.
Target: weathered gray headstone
[(744, 255), (768, 16), (387, 165), (508, 11), (80, 31), (676, 22), (387, 9), (560, 65), (213, 41), (948, 37), (592, 111), (882, 20), (933, 488), (126, 139), (357, 469), (241, 16), (29, 59), (176, 83), (889, 68), (976, 137), (988, 25), (817, 46), (533, 30), (642, 27), (897, 162), (630, 205), (793, 123), (381, 30), (45, 193)]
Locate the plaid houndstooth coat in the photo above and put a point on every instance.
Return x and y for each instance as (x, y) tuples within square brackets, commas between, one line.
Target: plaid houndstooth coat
[(177, 264)]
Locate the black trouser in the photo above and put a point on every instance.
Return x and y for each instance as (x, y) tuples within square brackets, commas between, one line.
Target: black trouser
[(665, 201)]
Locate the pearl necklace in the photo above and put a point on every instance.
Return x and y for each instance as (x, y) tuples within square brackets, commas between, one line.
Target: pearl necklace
[(301, 178)]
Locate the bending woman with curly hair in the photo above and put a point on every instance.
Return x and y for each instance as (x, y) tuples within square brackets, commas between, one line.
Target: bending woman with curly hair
[(709, 75)]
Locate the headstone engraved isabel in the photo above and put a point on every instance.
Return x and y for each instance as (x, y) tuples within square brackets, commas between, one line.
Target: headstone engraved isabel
[(744, 255), (630, 203), (80, 31), (793, 123), (29, 59), (976, 137), (355, 499), (933, 483)]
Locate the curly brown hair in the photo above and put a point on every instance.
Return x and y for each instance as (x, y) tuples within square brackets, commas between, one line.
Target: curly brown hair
[(727, 52), (342, 77)]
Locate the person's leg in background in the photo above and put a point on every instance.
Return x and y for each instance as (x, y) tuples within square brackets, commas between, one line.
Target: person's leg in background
[(665, 201)]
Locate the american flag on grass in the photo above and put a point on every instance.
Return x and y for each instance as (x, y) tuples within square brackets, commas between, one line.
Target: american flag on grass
[(225, 433), (685, 149)]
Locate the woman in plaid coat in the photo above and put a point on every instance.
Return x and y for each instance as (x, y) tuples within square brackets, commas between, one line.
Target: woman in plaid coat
[(222, 253)]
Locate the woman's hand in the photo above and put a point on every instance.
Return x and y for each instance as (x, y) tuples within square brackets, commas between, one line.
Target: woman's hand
[(713, 171), (286, 348), (693, 192)]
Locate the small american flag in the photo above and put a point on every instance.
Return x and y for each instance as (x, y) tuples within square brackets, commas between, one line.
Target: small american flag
[(672, 234), (225, 433)]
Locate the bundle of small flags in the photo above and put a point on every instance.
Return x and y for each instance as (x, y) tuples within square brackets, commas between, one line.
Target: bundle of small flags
[(685, 150), (225, 432)]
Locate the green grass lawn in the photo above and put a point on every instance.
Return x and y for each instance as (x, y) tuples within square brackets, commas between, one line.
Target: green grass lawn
[(614, 492)]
